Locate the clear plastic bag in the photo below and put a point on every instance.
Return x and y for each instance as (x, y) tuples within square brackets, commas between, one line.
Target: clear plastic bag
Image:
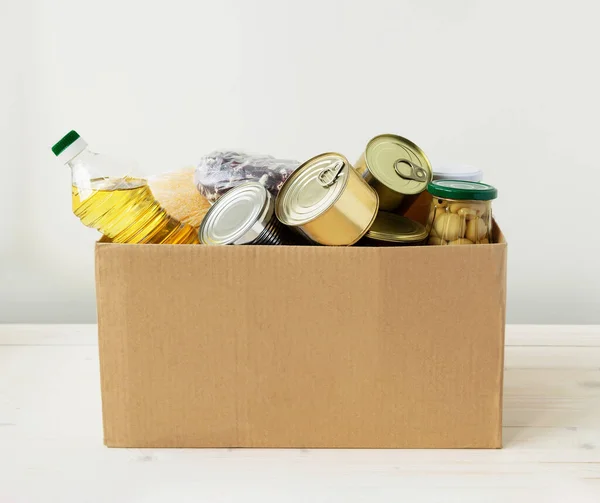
[(220, 171)]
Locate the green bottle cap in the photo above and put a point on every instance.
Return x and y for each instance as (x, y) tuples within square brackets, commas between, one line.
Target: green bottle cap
[(66, 141), (462, 190)]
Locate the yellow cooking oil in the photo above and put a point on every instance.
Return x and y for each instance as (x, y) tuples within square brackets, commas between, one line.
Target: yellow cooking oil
[(125, 210)]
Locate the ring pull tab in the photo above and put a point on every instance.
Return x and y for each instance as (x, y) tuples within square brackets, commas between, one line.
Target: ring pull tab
[(417, 173), (328, 176)]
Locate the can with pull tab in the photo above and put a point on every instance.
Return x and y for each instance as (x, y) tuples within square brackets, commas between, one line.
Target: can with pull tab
[(327, 201), (394, 167)]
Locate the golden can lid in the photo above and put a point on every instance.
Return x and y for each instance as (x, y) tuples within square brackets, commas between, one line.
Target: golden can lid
[(312, 189), (398, 164), (395, 228)]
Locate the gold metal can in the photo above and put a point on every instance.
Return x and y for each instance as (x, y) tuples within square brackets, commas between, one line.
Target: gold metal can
[(394, 167), (394, 229), (326, 200)]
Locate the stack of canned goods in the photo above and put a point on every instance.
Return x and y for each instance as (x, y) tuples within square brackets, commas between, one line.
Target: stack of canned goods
[(328, 201)]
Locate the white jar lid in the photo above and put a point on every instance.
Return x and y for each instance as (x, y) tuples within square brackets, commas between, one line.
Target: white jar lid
[(457, 172)]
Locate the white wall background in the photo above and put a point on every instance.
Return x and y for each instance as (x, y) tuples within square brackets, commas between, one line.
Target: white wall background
[(510, 86)]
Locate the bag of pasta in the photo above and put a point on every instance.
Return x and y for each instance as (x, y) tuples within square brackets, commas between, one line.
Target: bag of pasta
[(220, 171)]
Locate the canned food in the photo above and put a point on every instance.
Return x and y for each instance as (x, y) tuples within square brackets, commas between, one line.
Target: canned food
[(391, 228), (327, 201), (417, 207), (395, 167), (244, 215), (461, 212)]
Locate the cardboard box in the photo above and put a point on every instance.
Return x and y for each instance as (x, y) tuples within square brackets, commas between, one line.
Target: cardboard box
[(246, 346)]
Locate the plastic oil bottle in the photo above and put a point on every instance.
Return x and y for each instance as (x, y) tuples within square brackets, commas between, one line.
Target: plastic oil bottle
[(107, 197)]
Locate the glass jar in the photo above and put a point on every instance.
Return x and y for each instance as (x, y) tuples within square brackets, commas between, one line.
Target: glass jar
[(460, 213), (417, 207)]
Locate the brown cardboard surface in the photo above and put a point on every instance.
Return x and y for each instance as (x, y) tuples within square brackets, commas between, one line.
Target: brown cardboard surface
[(258, 346)]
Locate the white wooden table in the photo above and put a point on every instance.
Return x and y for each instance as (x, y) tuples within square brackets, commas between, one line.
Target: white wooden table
[(51, 437)]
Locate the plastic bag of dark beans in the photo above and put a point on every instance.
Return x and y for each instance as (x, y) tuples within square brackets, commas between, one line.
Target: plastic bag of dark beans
[(220, 171)]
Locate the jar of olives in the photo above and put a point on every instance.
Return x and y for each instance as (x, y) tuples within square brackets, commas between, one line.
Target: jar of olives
[(460, 213)]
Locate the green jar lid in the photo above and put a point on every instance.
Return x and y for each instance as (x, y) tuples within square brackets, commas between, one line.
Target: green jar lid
[(462, 190)]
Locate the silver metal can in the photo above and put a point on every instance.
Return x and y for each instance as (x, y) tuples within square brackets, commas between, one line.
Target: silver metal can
[(244, 215)]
